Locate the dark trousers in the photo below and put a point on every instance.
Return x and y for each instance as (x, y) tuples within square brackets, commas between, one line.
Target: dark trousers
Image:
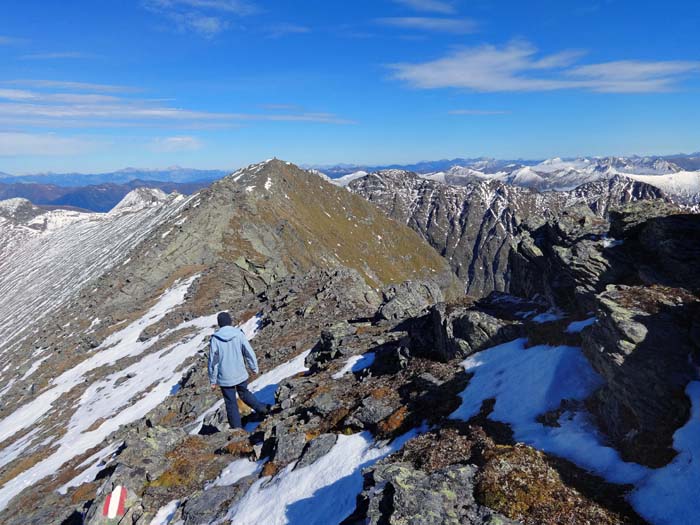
[(234, 416)]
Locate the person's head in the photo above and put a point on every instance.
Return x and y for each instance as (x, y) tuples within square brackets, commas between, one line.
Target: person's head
[(224, 319)]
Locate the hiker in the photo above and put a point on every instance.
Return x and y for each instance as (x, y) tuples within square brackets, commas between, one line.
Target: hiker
[(229, 352)]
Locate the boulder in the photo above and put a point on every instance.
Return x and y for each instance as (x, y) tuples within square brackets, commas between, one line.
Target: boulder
[(409, 299), (456, 331), (371, 412), (330, 346), (398, 493), (316, 449)]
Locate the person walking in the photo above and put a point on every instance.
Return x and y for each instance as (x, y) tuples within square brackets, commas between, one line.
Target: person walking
[(229, 352)]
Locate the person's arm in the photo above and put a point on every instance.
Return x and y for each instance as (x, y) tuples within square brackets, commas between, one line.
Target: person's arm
[(213, 363), (249, 355)]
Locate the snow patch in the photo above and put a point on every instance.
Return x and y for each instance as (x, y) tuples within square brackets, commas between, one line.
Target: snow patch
[(321, 493), (166, 513), (355, 364), (528, 382), (578, 326), (236, 471), (97, 462)]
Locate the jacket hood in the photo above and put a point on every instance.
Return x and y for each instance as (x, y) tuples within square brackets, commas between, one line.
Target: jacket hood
[(226, 333)]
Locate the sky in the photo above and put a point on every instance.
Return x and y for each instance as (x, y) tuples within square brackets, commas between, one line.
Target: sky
[(98, 85)]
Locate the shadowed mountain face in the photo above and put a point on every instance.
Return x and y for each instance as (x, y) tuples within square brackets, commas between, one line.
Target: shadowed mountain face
[(477, 226)]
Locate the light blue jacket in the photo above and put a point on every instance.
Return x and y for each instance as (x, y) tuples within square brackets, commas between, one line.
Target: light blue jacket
[(229, 352)]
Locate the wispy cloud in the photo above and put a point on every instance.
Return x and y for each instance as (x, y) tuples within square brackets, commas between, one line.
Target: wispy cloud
[(478, 112), (284, 29), (58, 55), (207, 18), (177, 144), (44, 144), (239, 7), (281, 107), (459, 26), (429, 6), (519, 67), (83, 109), (62, 84)]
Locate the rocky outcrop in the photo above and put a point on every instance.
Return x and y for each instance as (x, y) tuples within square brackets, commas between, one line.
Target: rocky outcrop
[(452, 331), (409, 299), (397, 493), (645, 347)]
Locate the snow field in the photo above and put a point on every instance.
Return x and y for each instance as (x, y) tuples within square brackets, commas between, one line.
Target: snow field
[(528, 382)]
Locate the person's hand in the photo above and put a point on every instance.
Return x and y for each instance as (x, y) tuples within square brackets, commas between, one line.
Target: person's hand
[(213, 386)]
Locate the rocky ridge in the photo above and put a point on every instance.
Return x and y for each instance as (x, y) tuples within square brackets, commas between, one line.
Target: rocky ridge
[(477, 227)]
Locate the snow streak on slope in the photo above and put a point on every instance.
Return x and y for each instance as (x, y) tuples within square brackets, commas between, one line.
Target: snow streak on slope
[(321, 493), (58, 252), (111, 401), (545, 376)]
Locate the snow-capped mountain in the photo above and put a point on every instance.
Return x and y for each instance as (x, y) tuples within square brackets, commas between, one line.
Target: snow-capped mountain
[(476, 226), (65, 249), (564, 175)]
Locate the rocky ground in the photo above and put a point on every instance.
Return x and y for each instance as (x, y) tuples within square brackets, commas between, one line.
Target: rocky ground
[(368, 381)]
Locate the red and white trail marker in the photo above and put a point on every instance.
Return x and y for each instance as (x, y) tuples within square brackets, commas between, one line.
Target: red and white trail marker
[(114, 503)]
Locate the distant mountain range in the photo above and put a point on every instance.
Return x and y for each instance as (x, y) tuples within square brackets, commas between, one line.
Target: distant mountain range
[(100, 197), (678, 175), (689, 162), (172, 174)]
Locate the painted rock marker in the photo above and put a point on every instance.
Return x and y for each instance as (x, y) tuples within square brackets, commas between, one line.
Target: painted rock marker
[(114, 503)]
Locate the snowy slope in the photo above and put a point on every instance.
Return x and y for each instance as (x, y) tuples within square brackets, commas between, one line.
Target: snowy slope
[(547, 375), (86, 244), (347, 179), (684, 184)]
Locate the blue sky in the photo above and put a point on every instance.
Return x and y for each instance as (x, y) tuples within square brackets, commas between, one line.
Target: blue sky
[(91, 85)]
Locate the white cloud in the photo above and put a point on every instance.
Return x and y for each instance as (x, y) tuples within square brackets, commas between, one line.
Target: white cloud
[(207, 18), (177, 144), (478, 112), (519, 67), (207, 26), (44, 144), (60, 84), (443, 25), (44, 108), (430, 6)]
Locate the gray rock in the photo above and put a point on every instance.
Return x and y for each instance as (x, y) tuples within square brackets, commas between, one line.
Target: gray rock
[(288, 447), (372, 411), (409, 299), (316, 449), (454, 331), (398, 494), (330, 346), (643, 348), (324, 404), (213, 503), (146, 448)]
